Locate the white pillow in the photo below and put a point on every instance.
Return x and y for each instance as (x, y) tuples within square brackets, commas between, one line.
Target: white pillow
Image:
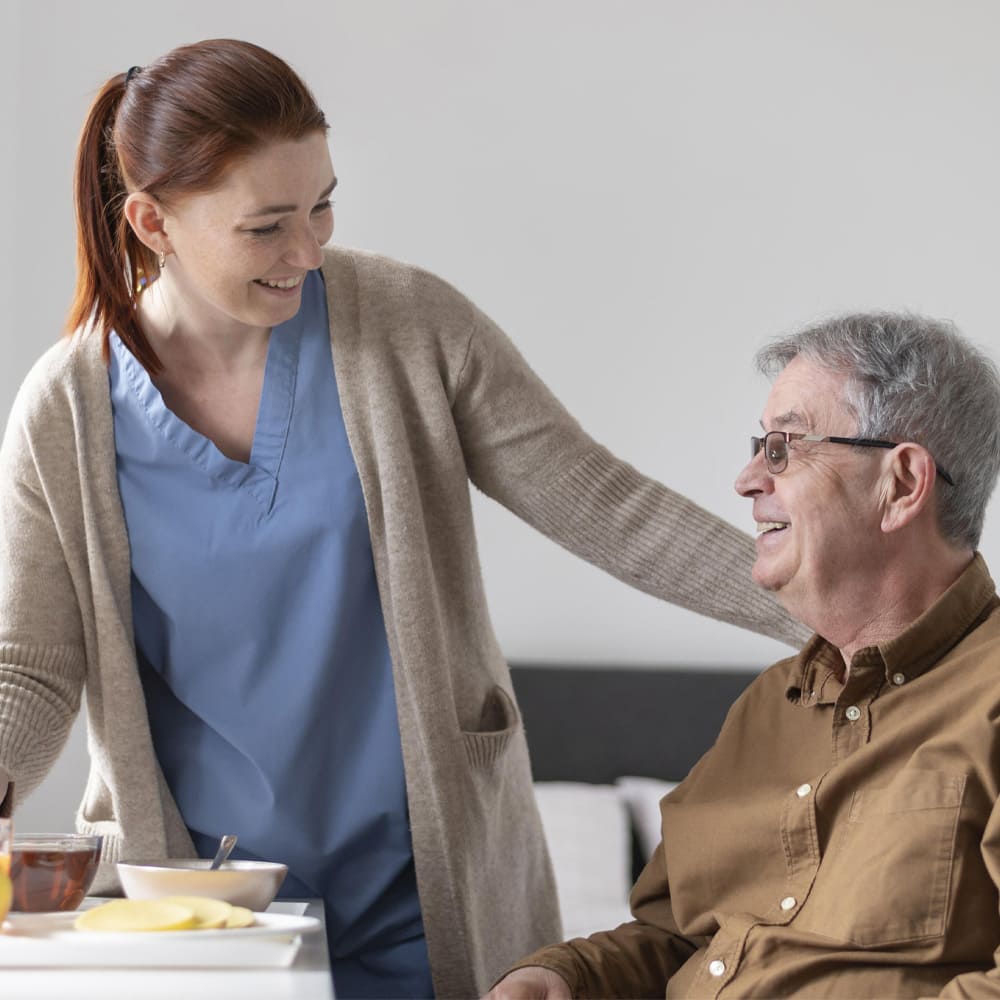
[(588, 833), (642, 799)]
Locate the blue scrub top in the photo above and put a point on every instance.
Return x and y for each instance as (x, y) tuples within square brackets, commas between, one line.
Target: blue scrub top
[(263, 653)]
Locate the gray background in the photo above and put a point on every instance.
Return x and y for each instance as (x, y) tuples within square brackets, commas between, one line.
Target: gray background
[(640, 192)]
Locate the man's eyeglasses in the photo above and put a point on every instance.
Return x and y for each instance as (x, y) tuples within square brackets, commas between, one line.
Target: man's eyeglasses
[(774, 444)]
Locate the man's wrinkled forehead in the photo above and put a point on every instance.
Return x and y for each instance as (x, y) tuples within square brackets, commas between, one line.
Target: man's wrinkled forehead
[(806, 397)]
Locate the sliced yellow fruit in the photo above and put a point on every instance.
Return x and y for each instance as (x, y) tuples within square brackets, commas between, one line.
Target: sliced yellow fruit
[(209, 912), (137, 915), (5, 893), (240, 917)]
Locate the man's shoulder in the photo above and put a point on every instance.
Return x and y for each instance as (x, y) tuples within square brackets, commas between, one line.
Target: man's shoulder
[(771, 683), (779, 674), (984, 638)]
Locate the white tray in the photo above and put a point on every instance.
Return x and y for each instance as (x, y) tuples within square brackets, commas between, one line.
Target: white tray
[(30, 940)]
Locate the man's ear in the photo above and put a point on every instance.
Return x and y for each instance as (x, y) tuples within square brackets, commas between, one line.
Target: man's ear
[(908, 486), (147, 217)]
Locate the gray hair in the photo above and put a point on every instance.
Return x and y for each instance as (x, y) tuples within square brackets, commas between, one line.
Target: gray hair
[(910, 378)]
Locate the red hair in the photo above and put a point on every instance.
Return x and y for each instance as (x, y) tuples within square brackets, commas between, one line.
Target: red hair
[(172, 127)]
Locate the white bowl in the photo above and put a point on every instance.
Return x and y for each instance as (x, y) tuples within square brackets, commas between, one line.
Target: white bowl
[(252, 884)]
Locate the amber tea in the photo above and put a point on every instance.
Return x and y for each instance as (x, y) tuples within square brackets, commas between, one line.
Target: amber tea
[(52, 873)]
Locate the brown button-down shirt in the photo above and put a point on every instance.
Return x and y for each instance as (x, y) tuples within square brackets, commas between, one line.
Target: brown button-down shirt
[(839, 840)]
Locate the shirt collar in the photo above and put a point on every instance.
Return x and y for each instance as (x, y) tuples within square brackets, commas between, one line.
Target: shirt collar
[(814, 675)]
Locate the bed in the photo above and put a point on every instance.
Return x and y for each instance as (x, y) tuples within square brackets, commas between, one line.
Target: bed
[(607, 743)]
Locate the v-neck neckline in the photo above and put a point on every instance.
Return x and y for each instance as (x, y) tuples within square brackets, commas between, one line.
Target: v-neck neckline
[(259, 475), (277, 396)]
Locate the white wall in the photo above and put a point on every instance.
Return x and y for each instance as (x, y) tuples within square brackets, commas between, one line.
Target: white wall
[(640, 192)]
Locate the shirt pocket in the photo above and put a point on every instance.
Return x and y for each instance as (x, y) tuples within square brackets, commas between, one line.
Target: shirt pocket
[(499, 721), (886, 877)]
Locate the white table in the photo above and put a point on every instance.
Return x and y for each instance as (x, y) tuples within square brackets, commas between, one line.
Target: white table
[(308, 978)]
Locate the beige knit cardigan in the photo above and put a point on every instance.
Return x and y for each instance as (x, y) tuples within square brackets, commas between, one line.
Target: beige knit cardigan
[(433, 395)]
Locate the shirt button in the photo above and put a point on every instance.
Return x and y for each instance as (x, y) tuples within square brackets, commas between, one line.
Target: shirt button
[(717, 968), (788, 903), (803, 790), (853, 713), (898, 679)]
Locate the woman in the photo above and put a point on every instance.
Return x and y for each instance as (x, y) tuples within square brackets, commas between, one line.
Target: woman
[(256, 554)]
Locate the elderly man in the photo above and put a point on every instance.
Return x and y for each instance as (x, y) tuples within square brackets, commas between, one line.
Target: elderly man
[(842, 837)]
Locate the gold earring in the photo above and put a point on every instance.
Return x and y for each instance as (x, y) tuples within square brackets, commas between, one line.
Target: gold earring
[(163, 259)]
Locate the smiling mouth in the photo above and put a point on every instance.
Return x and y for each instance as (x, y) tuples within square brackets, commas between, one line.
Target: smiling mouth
[(282, 283), (766, 527)]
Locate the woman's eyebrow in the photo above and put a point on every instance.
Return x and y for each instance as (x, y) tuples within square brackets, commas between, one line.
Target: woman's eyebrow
[(279, 209)]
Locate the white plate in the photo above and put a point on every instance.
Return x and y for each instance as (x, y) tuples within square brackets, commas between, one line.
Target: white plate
[(49, 939)]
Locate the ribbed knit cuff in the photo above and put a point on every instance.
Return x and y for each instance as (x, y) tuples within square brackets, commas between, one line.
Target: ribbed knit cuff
[(39, 697)]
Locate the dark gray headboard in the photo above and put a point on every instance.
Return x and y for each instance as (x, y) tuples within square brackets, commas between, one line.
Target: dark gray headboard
[(597, 723)]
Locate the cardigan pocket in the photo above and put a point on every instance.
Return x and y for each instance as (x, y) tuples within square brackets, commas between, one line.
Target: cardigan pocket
[(886, 878), (499, 721)]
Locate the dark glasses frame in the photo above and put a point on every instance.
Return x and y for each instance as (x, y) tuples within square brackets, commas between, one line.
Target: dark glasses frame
[(778, 465)]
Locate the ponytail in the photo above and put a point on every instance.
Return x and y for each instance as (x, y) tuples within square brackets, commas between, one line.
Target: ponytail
[(111, 262)]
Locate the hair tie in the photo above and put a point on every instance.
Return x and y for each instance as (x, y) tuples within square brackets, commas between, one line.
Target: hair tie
[(133, 71)]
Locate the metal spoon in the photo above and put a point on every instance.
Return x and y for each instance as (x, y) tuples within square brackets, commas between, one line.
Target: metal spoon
[(226, 844)]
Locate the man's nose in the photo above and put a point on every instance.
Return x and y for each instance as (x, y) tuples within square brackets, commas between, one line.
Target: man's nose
[(754, 477)]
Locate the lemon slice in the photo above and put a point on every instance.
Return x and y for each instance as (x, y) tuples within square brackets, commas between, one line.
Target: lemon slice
[(137, 915), (209, 913), (240, 917)]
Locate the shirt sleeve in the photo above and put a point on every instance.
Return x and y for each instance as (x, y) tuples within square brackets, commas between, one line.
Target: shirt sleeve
[(523, 449), (635, 959)]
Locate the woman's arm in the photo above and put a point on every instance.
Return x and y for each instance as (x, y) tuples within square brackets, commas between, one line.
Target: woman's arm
[(523, 449), (42, 661)]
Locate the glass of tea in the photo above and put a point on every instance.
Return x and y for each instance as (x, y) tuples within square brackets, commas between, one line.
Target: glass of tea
[(52, 871)]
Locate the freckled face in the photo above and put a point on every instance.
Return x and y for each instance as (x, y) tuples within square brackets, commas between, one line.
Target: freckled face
[(818, 520), (240, 250)]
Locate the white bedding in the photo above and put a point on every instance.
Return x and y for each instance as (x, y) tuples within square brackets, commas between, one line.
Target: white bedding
[(589, 833)]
